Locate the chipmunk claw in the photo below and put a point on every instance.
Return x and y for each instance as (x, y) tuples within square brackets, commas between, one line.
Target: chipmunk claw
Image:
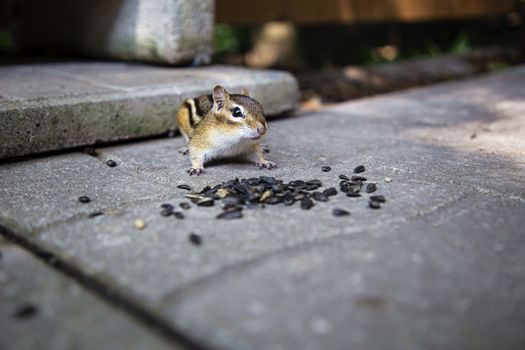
[(196, 171), (266, 165), (184, 151)]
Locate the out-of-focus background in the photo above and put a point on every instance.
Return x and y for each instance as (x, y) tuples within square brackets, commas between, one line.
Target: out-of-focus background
[(338, 49)]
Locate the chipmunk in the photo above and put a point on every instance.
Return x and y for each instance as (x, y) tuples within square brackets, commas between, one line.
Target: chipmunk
[(222, 125)]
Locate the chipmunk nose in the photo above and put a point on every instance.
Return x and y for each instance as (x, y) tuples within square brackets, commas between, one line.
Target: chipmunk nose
[(261, 130)]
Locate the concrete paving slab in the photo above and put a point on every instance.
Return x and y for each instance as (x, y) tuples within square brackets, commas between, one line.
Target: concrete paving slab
[(434, 283), (66, 104), (45, 191), (42, 309), (447, 202)]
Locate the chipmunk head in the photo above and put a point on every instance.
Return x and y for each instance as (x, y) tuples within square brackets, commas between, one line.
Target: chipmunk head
[(239, 114)]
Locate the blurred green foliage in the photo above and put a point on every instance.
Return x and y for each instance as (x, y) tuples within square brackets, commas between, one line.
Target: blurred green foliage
[(6, 41), (233, 39)]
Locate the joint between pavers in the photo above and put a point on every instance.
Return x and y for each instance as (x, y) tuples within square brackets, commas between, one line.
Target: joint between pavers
[(155, 323)]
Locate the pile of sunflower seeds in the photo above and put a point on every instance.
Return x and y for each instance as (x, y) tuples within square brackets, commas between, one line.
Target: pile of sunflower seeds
[(235, 195)]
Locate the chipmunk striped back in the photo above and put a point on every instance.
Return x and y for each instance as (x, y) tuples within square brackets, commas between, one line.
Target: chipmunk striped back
[(191, 113)]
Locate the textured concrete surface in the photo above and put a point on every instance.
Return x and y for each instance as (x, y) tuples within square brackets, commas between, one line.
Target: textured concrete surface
[(42, 309), (164, 31), (439, 266), (51, 106)]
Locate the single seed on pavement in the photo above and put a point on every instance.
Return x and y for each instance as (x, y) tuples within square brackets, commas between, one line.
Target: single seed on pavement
[(330, 192), (84, 199), (26, 311), (111, 163), (195, 238), (185, 205), (359, 169), (326, 168), (178, 215), (320, 197), (380, 198), (228, 215), (306, 203), (206, 202), (358, 178), (139, 224), (184, 187), (374, 204), (167, 206), (166, 212), (371, 188), (344, 177), (340, 212), (387, 179)]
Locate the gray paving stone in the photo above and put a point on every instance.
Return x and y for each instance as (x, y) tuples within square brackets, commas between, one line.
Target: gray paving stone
[(62, 105), (434, 283), (58, 313), (450, 209), (46, 191)]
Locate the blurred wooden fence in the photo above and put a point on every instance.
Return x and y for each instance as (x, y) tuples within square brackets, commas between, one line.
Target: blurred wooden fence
[(356, 11)]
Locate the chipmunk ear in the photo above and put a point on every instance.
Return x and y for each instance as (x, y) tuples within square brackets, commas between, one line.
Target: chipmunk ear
[(220, 96), (245, 92)]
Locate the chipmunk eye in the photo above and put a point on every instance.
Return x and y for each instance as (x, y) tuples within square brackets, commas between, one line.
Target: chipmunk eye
[(237, 113)]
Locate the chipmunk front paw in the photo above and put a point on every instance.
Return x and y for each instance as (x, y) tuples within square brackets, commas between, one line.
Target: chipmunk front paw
[(196, 171), (266, 165)]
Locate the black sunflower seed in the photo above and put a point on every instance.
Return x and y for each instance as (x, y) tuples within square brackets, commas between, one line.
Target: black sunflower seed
[(178, 215), (318, 196), (185, 205), (326, 168), (306, 203), (274, 200), (374, 204), (288, 199), (350, 187), (206, 202), (358, 178), (195, 238), (371, 188), (205, 189), (299, 196), (380, 199), (268, 180), (166, 212), (344, 177), (184, 187), (167, 206), (26, 311), (340, 212), (95, 214), (254, 181), (353, 195), (359, 169), (234, 207), (84, 199), (231, 200), (230, 215), (278, 188), (330, 192), (314, 183), (111, 163)]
